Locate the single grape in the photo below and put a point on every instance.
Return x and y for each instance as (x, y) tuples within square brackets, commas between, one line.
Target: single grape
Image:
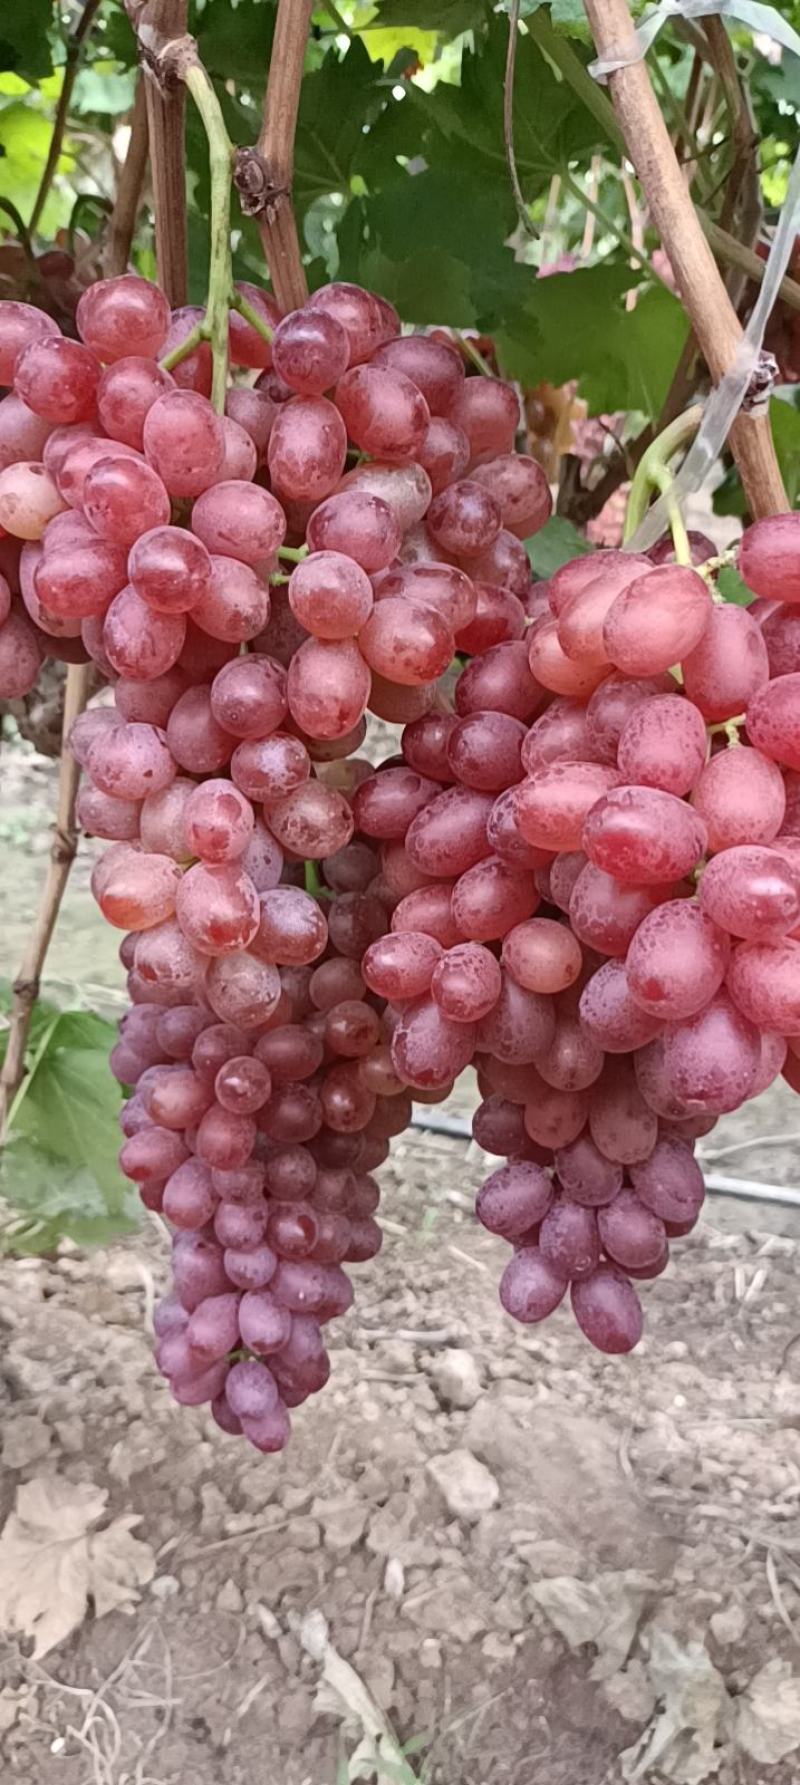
[(531, 1287), (357, 524), (20, 324), (740, 797), (729, 665), (29, 500), (122, 316), (330, 595), (769, 556), (542, 955), (644, 835), (434, 367), (464, 519), (184, 442), (663, 743), (57, 379), (676, 961), (608, 1310), (307, 448), (752, 893), (466, 983), (217, 908), (488, 411), (385, 414), (328, 687), (773, 720), (657, 620)]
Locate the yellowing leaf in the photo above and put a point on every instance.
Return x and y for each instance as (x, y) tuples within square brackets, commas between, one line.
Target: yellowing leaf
[(52, 1562)]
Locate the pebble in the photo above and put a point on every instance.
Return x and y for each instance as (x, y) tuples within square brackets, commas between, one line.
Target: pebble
[(467, 1487), (165, 1586), (456, 1378), (394, 1578), (728, 1625), (25, 1440), (343, 1522), (229, 1597)]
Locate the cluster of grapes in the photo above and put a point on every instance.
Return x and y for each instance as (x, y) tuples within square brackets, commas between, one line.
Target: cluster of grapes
[(604, 906), (146, 531)]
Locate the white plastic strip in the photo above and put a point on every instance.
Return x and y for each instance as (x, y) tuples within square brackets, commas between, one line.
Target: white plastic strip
[(725, 401)]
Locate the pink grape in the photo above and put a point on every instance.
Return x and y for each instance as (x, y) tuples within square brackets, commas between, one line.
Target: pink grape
[(307, 448), (729, 665), (466, 983), (740, 797), (585, 1174), (57, 379), (217, 908), (553, 804), (139, 643), (385, 414), (218, 822), (436, 369), (406, 490), (443, 453), (310, 351), (780, 631), (504, 563), (131, 760), (406, 642), (195, 371), (248, 347), (328, 687), (676, 961), (769, 557), (248, 699), (122, 316), (552, 667), (514, 1199), (425, 743), (709, 1063), (569, 1239), (573, 1061), (384, 804), (29, 500), (254, 411), (184, 442), (500, 681), (428, 1049), (358, 524), (611, 1015), (751, 892), (764, 981), (429, 909), (464, 519), (560, 734), (670, 1182), (20, 657), (520, 1026), (449, 834), (531, 1287), (196, 739), (20, 324), (611, 705), (292, 929), (491, 897), (151, 701), (311, 821), (663, 743), (125, 392), (542, 955), (657, 620), (488, 411), (169, 569), (101, 816), (520, 487), (401, 966), (621, 1123), (236, 606), (440, 586), (242, 989), (133, 889), (644, 835), (773, 720), (484, 751), (239, 520), (608, 1310), (357, 312), (581, 617), (505, 836), (330, 595), (23, 435)]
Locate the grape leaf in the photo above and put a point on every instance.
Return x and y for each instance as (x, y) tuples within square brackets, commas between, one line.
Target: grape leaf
[(448, 17), (25, 142), (574, 325), (49, 1201), (237, 46), (554, 545), (25, 38), (733, 587)]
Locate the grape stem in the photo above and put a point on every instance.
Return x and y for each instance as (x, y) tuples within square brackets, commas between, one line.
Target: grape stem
[(220, 277), (473, 353), (259, 323), (313, 883), (294, 554), (62, 855), (654, 472)]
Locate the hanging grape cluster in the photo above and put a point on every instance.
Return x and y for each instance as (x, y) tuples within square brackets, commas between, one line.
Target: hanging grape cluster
[(580, 874)]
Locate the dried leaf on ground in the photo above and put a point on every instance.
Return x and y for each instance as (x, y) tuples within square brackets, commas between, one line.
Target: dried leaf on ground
[(604, 1611), (767, 1722), (683, 1739), (52, 1562)]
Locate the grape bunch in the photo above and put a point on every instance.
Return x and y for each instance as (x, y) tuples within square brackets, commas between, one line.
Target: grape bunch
[(603, 913), (251, 583)]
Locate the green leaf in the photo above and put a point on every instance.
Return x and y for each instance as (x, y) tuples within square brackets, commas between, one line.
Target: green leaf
[(426, 286), (732, 587), (103, 89), (447, 17), (554, 545), (575, 325), (236, 45), (52, 1202), (25, 142), (25, 38), (784, 414), (70, 1107)]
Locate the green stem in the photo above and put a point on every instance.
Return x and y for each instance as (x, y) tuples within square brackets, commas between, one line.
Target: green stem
[(294, 554), (656, 461), (664, 482), (625, 240), (184, 348), (474, 354), (313, 882), (340, 23), (250, 315), (220, 278)]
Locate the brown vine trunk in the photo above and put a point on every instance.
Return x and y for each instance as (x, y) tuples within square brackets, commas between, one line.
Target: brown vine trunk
[(264, 175)]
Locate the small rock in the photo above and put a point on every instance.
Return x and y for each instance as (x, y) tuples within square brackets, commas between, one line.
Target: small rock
[(268, 1623), (467, 1487), (398, 1356), (25, 1440), (303, 1533), (394, 1578), (123, 1270), (71, 1434), (728, 1625), (497, 1648), (229, 1597), (430, 1653), (456, 1378), (165, 1586), (343, 1522)]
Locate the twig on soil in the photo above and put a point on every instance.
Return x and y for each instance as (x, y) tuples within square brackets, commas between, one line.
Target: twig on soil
[(62, 855), (264, 175), (122, 222), (777, 1596), (713, 317)]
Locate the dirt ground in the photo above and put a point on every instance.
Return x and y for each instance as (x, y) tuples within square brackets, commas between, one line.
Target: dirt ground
[(535, 1564)]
